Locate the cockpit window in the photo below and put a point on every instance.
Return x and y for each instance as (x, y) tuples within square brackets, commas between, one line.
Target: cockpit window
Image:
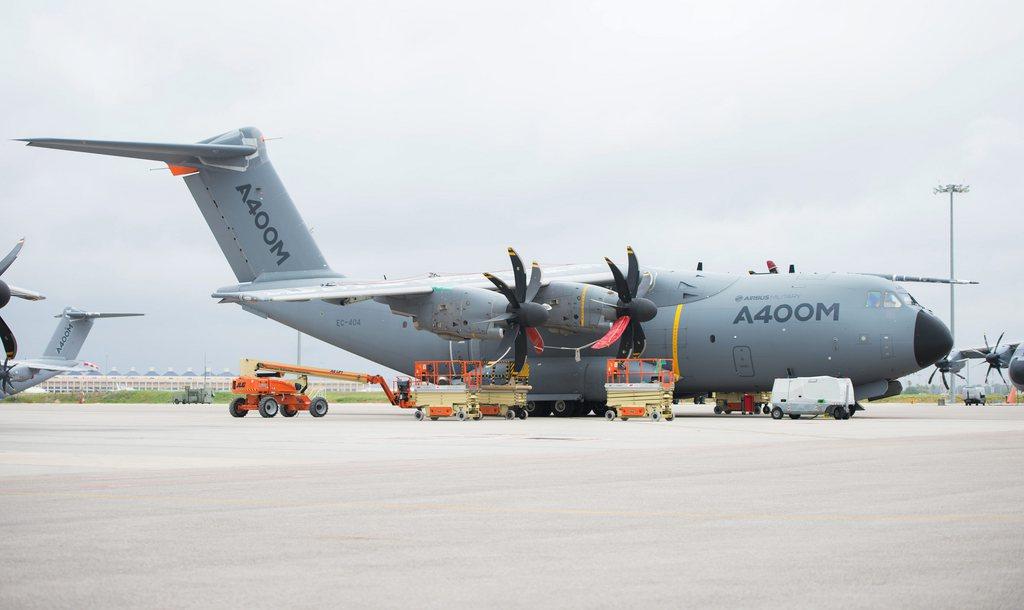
[(907, 299), (891, 300), (874, 299)]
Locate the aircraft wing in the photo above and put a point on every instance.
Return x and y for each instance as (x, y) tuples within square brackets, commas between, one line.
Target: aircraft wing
[(341, 291), (51, 365), (981, 352), (913, 278), (24, 293)]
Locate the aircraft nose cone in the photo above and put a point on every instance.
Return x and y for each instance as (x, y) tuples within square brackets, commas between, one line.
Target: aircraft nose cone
[(932, 340), (1017, 372)]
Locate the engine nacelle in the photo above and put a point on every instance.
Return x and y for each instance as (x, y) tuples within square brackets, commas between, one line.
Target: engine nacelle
[(456, 314), (578, 307), (22, 373)]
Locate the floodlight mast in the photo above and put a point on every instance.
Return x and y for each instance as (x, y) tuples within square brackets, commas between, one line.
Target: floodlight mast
[(951, 189)]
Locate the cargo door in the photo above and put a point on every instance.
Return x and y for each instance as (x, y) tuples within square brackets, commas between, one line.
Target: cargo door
[(742, 360)]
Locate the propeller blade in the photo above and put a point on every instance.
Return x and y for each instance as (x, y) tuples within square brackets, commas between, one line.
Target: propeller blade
[(621, 286), (10, 343), (960, 376), (521, 345), (998, 341), (987, 372), (932, 376), (520, 274), (945, 384), (498, 318), (986, 342), (535, 339), (507, 341), (639, 339), (626, 344), (534, 286), (13, 254), (613, 333), (504, 289), (1000, 371), (632, 271)]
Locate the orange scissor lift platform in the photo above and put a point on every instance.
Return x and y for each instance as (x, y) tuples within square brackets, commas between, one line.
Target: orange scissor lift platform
[(639, 387), (465, 389)]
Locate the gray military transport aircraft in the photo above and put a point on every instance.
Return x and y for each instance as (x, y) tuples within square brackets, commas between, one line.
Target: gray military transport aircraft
[(725, 332), (60, 354)]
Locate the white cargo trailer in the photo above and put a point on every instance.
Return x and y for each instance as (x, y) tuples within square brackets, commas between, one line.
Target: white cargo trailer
[(813, 396)]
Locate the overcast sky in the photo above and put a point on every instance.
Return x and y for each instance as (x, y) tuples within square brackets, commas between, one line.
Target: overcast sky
[(714, 131)]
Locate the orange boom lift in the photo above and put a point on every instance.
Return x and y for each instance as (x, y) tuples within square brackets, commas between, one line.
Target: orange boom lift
[(263, 387)]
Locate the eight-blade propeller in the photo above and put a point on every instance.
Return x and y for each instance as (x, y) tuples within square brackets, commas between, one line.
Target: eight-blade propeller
[(995, 359), (6, 335), (632, 309), (947, 366), (522, 315)]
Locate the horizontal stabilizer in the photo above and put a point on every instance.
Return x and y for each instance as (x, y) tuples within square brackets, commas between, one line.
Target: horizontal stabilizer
[(75, 314), (190, 155), (913, 278)]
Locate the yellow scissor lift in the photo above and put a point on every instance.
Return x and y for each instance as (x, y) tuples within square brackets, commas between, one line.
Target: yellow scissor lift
[(639, 387), (466, 389)]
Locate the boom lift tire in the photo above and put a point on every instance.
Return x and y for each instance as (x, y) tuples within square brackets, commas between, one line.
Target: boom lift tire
[(522, 414), (419, 415), (318, 408), (269, 406), (234, 410), (286, 412), (609, 414)]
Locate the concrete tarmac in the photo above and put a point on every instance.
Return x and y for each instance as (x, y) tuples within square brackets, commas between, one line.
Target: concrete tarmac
[(184, 506)]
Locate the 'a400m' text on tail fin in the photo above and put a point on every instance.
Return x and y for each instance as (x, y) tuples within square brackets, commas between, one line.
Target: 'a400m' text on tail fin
[(239, 194)]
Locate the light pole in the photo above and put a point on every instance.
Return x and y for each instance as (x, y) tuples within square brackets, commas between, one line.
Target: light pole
[(951, 189)]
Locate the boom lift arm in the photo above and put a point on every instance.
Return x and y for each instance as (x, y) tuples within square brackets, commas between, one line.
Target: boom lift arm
[(251, 367)]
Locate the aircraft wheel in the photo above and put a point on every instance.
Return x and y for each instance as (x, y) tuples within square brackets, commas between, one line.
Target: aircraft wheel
[(235, 408), (176, 401), (318, 408), (288, 412), (510, 414), (560, 408), (794, 416), (269, 406), (766, 410), (776, 413), (419, 415)]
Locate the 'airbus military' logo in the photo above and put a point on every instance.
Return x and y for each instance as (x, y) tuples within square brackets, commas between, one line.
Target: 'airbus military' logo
[(784, 313)]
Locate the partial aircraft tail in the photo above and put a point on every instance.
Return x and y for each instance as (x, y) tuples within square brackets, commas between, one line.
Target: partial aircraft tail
[(239, 194), (73, 328)]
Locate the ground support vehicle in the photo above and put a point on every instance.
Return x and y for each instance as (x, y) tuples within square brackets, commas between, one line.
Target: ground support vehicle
[(745, 403), (190, 396), (503, 393), (813, 396), (974, 395), (446, 388), (263, 387), (639, 387)]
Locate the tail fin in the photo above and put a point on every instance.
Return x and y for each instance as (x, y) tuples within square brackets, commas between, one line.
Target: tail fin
[(73, 328), (239, 194)]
